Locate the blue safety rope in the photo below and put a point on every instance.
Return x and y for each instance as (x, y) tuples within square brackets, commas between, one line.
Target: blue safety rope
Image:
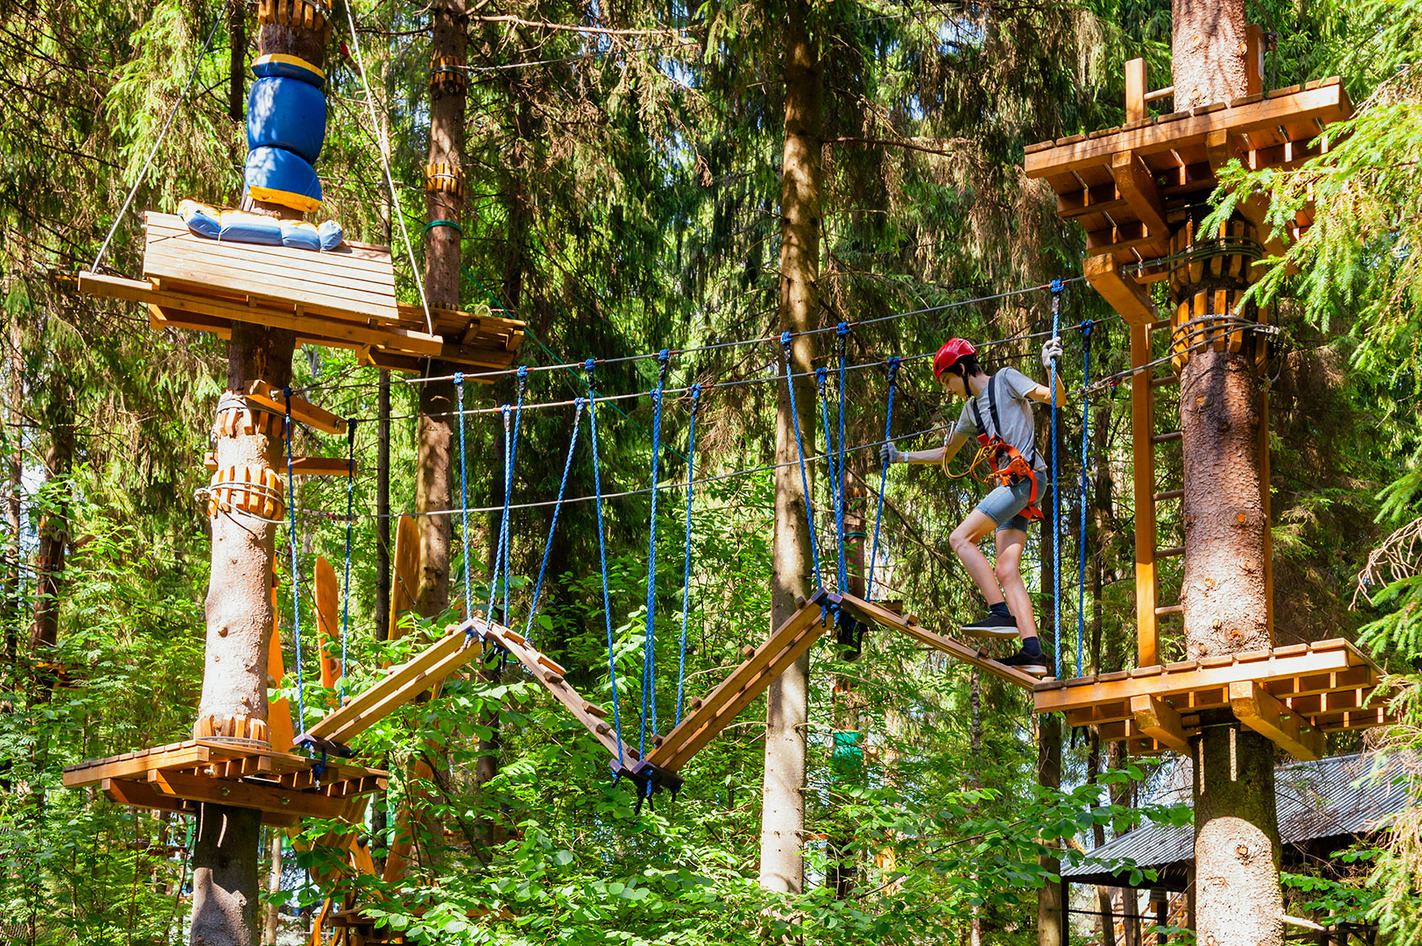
[(785, 338), (295, 590), (821, 382), (1056, 495), (522, 385), (841, 342), (464, 496), (602, 557), (649, 638), (893, 369), (686, 569), (501, 551), (1085, 467), (557, 508), (350, 521)]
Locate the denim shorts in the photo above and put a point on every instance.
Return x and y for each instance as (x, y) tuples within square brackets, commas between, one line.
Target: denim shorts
[(1004, 505)]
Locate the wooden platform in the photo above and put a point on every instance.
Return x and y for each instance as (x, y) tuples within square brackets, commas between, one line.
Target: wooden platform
[(178, 777), (1128, 186), (1293, 695), (342, 298)]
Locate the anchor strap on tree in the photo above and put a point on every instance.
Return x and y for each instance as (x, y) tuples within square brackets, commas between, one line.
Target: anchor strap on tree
[(501, 552), (588, 366), (1056, 494), (295, 585), (1086, 326), (557, 508), (649, 640), (686, 568), (350, 521), (800, 452), (892, 367), (463, 495)]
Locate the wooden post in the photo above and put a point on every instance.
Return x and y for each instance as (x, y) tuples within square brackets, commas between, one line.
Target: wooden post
[(1143, 455), (1135, 90)]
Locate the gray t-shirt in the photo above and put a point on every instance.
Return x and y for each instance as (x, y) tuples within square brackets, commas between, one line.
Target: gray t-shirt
[(1013, 409)]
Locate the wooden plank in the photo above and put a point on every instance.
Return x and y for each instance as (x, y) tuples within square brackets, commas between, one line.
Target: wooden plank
[(1184, 682), (302, 410), (136, 765), (1139, 190), (300, 466), (328, 626), (892, 621), (1143, 455), (350, 252), (795, 635), (1135, 90), (1159, 720), (1327, 103), (1125, 295), (452, 321), (405, 575), (350, 294), (370, 265), (142, 795), (398, 687), (394, 337), (279, 729), (247, 795), (1259, 711), (482, 358), (160, 318)]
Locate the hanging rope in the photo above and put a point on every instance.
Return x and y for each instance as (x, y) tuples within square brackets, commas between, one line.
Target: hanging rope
[(821, 383), (649, 639), (602, 559), (686, 568), (1056, 495), (841, 340), (501, 547), (785, 339), (552, 526), (295, 589), (350, 521), (893, 371), (1085, 468), (464, 495)]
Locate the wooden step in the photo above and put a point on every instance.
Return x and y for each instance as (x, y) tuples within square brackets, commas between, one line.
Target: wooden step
[(1168, 437)]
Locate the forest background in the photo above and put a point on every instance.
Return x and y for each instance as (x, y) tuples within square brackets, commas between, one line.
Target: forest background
[(623, 183)]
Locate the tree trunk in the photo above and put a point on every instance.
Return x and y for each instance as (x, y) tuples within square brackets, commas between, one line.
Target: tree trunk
[(53, 531), (269, 930), (239, 621), (237, 60), (1237, 893), (783, 815), (15, 469), (1050, 928)]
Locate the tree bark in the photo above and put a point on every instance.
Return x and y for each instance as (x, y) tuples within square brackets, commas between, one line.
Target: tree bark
[(15, 468), (1237, 894), (237, 61), (783, 813), (53, 529)]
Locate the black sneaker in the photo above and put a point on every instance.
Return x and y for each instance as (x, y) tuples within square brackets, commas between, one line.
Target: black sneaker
[(1035, 664), (992, 625)]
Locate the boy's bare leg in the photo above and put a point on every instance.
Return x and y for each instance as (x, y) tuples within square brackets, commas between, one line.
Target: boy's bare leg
[(965, 541), (1008, 574)]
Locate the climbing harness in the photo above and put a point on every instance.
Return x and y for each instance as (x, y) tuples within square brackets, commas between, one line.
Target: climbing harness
[(892, 369), (686, 569), (1085, 469), (350, 520), (994, 449), (557, 508)]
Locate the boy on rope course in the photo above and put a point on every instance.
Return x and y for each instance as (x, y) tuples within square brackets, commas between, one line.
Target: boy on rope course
[(999, 415)]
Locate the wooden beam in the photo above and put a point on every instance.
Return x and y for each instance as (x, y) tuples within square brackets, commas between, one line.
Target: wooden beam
[(1143, 455), (1326, 103), (302, 410), (1139, 190), (404, 573), (271, 798), (1135, 90), (300, 466), (1253, 59), (279, 728), (1124, 294), (135, 764), (1158, 719), (1259, 711), (328, 600)]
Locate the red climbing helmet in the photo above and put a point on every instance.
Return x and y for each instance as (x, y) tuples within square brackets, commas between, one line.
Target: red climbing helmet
[(948, 355)]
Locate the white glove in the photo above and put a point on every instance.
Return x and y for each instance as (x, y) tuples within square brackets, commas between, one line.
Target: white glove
[(887, 454), (1051, 351)]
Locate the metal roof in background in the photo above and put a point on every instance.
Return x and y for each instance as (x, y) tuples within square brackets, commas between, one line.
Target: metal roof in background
[(1333, 797)]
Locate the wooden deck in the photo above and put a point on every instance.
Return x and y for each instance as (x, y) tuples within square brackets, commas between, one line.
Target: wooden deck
[(1294, 695), (178, 777), (343, 298)]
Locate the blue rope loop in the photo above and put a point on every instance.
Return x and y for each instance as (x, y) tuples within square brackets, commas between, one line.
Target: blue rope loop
[(821, 382), (1086, 326), (350, 521), (512, 451), (649, 639), (464, 496), (842, 343), (1056, 493), (686, 568), (602, 561), (892, 369), (800, 452), (506, 411), (295, 573), (557, 508)]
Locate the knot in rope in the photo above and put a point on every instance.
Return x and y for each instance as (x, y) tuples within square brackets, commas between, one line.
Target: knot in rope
[(1057, 285), (892, 369), (695, 399), (1086, 325), (785, 338)]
